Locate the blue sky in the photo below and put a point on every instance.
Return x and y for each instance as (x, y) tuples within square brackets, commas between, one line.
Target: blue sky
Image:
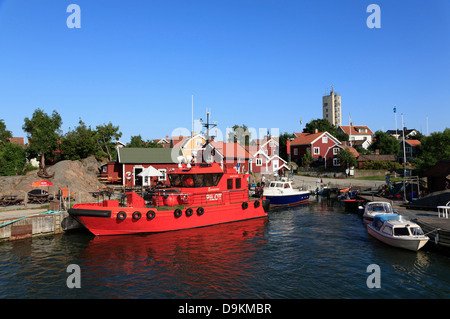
[(262, 63)]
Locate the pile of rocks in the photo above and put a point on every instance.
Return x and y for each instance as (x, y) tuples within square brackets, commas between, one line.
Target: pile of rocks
[(79, 176)]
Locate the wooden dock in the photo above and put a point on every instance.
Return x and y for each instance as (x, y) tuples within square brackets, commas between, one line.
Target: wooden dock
[(22, 224), (438, 229), (425, 215)]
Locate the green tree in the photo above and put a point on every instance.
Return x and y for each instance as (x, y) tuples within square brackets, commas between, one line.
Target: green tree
[(346, 158), (79, 143), (283, 145), (240, 134), (137, 141), (104, 137), (433, 148), (385, 144), (307, 159), (322, 125), (4, 134), (12, 159), (43, 133)]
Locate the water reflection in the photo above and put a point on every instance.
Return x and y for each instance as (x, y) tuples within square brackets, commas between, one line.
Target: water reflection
[(202, 262)]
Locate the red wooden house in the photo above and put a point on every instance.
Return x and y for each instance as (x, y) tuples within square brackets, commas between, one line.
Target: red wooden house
[(265, 156), (229, 155), (132, 161), (323, 146)]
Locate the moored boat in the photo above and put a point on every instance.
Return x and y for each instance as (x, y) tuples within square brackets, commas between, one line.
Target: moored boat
[(352, 205), (374, 208), (395, 231), (201, 195), (282, 193)]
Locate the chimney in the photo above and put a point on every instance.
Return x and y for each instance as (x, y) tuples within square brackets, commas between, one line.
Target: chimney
[(316, 130)]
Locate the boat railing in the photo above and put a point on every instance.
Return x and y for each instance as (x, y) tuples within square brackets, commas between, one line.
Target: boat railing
[(163, 198)]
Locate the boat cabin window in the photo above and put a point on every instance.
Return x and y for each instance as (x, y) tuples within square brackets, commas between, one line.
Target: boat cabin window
[(401, 231), (238, 183), (279, 185), (387, 229), (194, 180), (287, 185), (272, 185), (229, 183)]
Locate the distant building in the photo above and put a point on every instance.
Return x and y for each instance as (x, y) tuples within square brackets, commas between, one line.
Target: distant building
[(265, 156), (438, 176), (398, 133), (331, 105), (374, 157), (323, 147), (131, 161), (17, 140), (410, 149), (358, 135)]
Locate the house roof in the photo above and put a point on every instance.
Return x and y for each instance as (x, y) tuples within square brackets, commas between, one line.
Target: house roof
[(309, 138), (355, 129), (230, 150), (354, 152), (138, 155), (412, 142), (376, 157)]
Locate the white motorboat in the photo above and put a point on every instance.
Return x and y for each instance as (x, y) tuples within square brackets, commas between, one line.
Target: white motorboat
[(394, 230), (374, 208), (282, 193)]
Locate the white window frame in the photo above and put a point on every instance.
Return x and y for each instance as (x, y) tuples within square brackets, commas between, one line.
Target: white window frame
[(258, 161), (295, 151), (336, 161), (316, 150), (336, 151), (164, 177), (325, 140)]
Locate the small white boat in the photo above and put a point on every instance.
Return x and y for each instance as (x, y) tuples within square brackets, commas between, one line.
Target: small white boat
[(282, 193), (395, 231), (374, 208)]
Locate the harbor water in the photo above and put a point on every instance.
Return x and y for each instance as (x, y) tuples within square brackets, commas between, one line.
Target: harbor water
[(316, 250)]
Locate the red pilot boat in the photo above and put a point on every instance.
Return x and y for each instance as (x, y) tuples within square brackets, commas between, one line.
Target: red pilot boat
[(201, 195)]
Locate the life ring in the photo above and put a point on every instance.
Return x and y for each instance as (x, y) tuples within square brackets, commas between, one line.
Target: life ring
[(256, 203), (150, 214), (244, 205), (121, 215), (177, 212), (189, 212), (137, 215), (200, 211)]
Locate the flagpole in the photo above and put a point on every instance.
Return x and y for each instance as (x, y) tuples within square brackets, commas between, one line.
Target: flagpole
[(395, 114)]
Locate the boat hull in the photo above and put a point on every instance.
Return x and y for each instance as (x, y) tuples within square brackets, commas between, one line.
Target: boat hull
[(413, 244), (121, 220), (287, 200)]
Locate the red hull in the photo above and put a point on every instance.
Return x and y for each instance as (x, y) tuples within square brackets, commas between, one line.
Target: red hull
[(200, 196), (164, 220)]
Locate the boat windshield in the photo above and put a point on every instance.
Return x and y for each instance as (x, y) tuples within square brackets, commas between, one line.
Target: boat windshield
[(380, 207), (195, 180), (276, 185), (416, 231)]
